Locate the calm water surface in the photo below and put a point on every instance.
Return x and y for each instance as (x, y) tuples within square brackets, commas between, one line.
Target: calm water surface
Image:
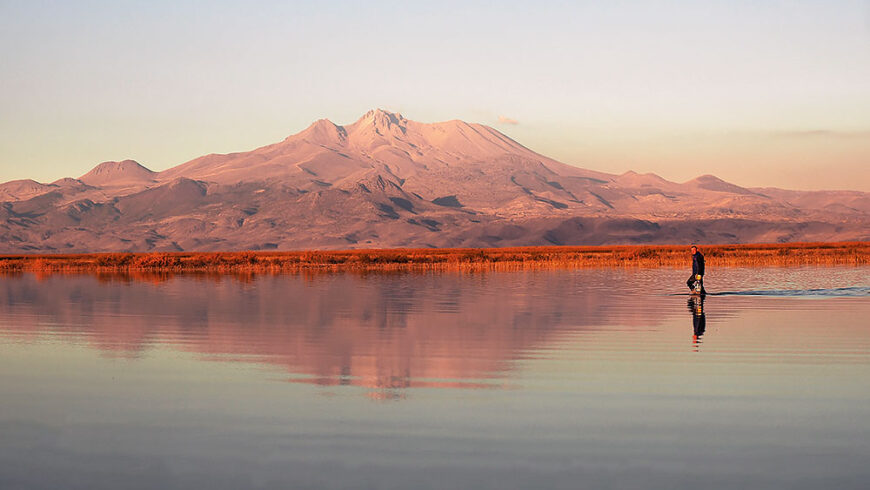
[(558, 379)]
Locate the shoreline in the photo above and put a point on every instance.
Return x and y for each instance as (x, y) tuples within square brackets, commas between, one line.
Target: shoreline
[(516, 258)]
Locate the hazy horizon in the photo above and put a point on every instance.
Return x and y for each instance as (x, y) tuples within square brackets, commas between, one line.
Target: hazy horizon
[(759, 95)]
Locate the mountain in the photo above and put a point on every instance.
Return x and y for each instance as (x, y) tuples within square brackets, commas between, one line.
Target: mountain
[(124, 173), (15, 190), (386, 181)]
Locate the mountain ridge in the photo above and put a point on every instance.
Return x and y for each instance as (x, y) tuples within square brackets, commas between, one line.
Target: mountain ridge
[(387, 181), (124, 172)]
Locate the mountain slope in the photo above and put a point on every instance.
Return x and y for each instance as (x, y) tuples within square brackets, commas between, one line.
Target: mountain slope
[(16, 190), (127, 172), (386, 181)]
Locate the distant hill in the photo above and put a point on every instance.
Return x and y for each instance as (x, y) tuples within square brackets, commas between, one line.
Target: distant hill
[(386, 181), (125, 173)]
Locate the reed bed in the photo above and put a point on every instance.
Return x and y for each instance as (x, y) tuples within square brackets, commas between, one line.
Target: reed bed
[(459, 259)]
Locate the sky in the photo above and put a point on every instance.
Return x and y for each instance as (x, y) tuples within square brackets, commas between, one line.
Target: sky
[(759, 93)]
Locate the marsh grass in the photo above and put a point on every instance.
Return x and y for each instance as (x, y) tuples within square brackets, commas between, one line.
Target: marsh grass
[(519, 258)]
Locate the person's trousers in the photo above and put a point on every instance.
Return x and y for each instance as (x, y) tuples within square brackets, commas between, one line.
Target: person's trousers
[(692, 280)]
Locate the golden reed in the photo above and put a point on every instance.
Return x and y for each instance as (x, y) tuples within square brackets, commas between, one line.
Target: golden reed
[(518, 258)]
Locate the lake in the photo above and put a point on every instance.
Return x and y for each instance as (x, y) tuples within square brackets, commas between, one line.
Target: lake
[(597, 378)]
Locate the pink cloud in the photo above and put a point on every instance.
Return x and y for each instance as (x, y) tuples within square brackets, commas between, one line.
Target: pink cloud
[(507, 120)]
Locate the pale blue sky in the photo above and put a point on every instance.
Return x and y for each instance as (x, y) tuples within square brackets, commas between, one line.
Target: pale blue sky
[(758, 93)]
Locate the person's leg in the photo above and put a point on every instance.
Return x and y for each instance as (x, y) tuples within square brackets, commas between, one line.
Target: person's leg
[(703, 291), (691, 282)]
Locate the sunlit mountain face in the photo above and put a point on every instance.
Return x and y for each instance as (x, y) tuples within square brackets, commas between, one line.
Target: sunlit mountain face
[(386, 181)]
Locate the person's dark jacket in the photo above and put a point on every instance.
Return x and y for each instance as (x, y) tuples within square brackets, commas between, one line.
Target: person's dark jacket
[(697, 263)]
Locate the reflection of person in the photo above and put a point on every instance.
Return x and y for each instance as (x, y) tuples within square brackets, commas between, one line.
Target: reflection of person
[(699, 320), (697, 271)]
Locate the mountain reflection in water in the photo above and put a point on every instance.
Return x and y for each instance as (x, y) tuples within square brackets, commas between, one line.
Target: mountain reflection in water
[(386, 332), (154, 381)]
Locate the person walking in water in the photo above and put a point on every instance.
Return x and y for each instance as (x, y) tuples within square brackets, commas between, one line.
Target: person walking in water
[(697, 270)]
